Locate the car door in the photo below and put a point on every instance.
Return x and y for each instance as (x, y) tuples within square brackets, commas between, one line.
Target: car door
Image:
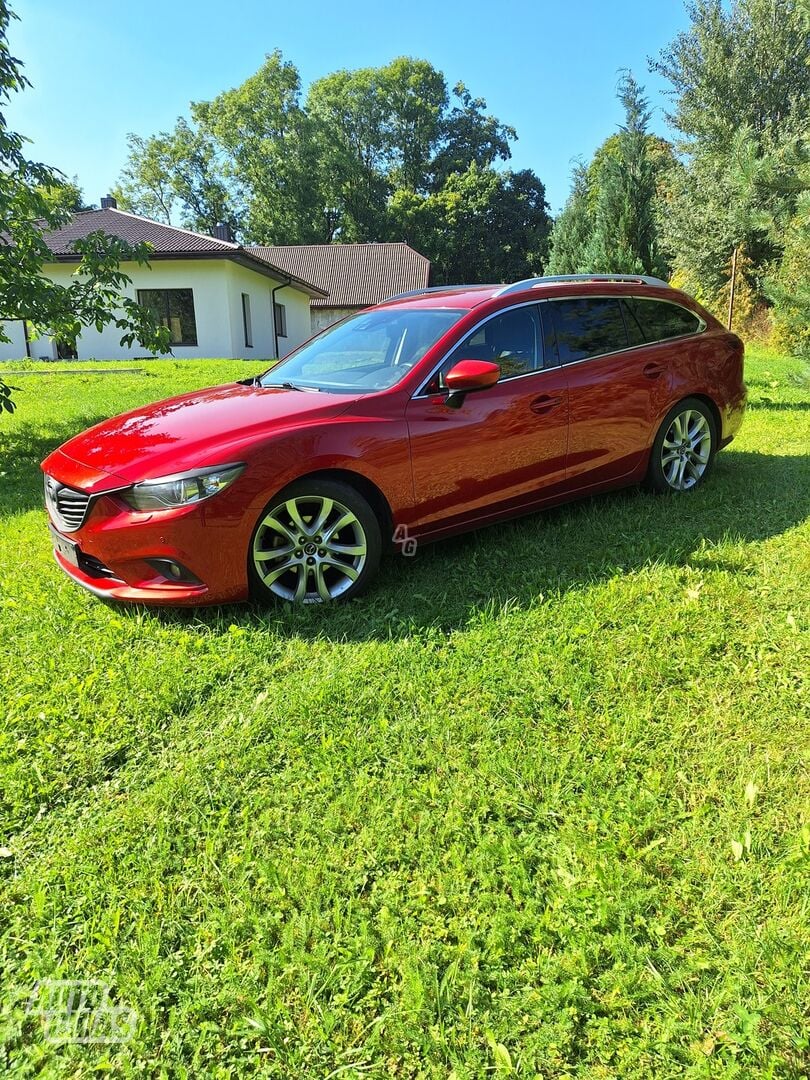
[(505, 446), (615, 388)]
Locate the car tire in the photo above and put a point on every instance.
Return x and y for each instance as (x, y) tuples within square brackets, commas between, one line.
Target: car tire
[(315, 542), (684, 448)]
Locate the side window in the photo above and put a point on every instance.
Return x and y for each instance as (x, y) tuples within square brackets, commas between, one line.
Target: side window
[(587, 327), (511, 340), (659, 320), (635, 335)]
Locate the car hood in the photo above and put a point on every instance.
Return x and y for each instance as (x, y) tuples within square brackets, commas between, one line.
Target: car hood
[(206, 427)]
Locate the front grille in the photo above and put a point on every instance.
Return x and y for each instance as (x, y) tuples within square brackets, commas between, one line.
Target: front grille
[(67, 506)]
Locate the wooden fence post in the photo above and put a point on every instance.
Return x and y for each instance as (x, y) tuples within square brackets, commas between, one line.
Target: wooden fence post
[(733, 286)]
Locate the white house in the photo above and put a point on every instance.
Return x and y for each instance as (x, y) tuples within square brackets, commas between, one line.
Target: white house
[(218, 298)]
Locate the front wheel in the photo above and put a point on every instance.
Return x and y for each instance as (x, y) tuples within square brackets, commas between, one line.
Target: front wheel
[(684, 448), (319, 540)]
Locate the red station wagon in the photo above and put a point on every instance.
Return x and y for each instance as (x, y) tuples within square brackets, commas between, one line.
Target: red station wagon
[(435, 412)]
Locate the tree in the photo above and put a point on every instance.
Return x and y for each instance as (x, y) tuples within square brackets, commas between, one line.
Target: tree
[(624, 235), (268, 146), (373, 154), (181, 166), (391, 129), (468, 135), (27, 205), (738, 66), (740, 82), (146, 184), (66, 196), (483, 225), (414, 98), (788, 287), (352, 132), (572, 229), (610, 223)]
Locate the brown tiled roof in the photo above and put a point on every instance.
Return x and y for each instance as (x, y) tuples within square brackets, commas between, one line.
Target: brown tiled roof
[(353, 275), (168, 242)]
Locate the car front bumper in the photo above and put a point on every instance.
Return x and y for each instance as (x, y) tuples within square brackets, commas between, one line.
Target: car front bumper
[(114, 552)]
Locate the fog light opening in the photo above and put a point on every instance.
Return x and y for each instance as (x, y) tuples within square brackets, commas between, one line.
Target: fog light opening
[(174, 571)]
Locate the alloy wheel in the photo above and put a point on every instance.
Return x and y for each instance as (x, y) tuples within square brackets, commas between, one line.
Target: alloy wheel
[(309, 549), (686, 449)]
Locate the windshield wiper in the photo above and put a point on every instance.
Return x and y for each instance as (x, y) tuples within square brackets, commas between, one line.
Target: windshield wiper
[(287, 386)]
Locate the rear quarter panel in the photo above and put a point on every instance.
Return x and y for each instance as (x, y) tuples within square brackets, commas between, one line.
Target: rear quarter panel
[(711, 366)]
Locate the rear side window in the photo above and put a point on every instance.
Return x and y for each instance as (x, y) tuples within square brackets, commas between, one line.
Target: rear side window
[(656, 320), (587, 327)]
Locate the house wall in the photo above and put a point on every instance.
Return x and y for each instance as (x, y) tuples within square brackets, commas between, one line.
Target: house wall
[(260, 290), (217, 285), (323, 317), (15, 349), (299, 326)]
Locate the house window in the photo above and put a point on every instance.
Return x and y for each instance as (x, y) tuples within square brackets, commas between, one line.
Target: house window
[(173, 308), (281, 320), (246, 320)]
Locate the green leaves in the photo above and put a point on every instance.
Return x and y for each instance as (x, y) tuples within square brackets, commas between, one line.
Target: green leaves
[(182, 167), (6, 403), (742, 95), (33, 196), (737, 66), (373, 154), (609, 224)]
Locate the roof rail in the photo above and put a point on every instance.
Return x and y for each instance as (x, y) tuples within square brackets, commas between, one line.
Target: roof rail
[(434, 289), (534, 283)]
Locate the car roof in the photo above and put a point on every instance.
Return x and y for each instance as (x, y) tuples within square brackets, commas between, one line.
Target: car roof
[(466, 297)]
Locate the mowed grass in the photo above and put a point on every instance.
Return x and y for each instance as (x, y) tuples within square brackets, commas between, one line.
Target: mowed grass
[(536, 806)]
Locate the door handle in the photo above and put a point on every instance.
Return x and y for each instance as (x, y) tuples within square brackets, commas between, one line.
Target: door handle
[(653, 371), (545, 403)]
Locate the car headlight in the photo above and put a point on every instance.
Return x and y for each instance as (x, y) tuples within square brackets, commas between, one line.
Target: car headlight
[(180, 490)]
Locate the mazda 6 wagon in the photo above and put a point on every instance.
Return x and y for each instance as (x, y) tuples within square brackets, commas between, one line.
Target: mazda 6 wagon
[(435, 412)]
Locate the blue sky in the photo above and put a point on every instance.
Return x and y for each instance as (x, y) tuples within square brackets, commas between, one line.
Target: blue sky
[(549, 68)]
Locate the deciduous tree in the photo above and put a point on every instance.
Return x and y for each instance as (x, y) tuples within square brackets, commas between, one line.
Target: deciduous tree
[(368, 150), (483, 225), (27, 207), (178, 169), (269, 155)]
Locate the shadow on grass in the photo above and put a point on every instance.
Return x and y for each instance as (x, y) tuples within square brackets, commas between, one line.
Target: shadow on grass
[(778, 406), (750, 497)]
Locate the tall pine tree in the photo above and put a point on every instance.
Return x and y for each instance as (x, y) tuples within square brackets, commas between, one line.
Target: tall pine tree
[(624, 238), (572, 229)]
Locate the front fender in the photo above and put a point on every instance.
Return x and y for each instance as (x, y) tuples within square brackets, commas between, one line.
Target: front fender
[(374, 448)]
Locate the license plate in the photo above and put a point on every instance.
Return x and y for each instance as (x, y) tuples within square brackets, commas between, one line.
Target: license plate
[(68, 549)]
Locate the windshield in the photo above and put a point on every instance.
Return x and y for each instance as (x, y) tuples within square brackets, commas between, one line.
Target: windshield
[(370, 351)]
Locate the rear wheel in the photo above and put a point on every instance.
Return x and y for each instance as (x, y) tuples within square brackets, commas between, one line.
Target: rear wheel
[(317, 541), (684, 448)]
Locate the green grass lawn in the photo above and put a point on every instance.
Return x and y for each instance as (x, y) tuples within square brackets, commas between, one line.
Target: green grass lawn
[(536, 806)]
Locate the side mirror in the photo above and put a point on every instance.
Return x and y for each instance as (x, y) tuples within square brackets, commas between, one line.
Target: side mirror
[(469, 375)]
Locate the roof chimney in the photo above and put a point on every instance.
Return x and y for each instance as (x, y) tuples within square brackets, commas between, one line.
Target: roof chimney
[(108, 203), (222, 231)]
